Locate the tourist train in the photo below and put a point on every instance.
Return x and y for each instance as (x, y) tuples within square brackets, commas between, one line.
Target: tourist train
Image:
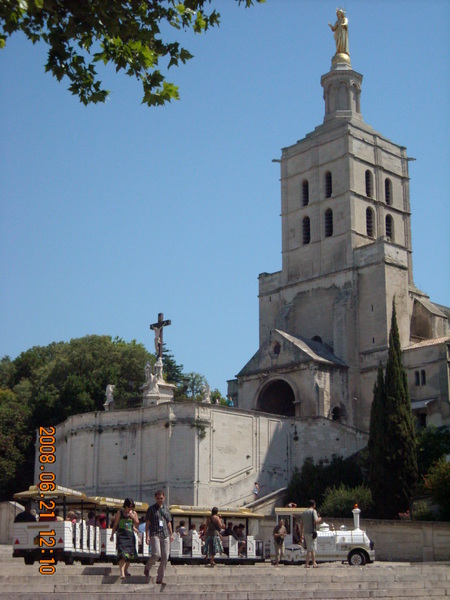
[(51, 541)]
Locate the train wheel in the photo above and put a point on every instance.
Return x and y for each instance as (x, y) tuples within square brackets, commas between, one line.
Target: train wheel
[(356, 558)]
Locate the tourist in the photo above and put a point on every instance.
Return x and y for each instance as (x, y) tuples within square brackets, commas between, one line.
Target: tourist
[(296, 534), (213, 543), (91, 518), (158, 533), (26, 515), (71, 516), (141, 528), (57, 515), (310, 518), (256, 491), (279, 533), (187, 541), (181, 529), (124, 523), (242, 539), (226, 537), (230, 531), (101, 521)]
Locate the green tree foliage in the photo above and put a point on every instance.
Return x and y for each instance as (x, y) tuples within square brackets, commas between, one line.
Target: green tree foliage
[(437, 483), (312, 481), (192, 387), (432, 444), (340, 501), (217, 398), (173, 372), (15, 442), (392, 447), (130, 35), (377, 440), (45, 385)]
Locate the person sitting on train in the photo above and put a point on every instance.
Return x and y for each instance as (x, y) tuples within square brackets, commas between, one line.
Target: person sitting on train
[(242, 538), (229, 530), (26, 515), (141, 528), (181, 529), (91, 518), (71, 516), (225, 536), (101, 521), (187, 541), (296, 535), (43, 516)]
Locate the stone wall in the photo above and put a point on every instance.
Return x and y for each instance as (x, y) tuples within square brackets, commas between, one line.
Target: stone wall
[(200, 454)]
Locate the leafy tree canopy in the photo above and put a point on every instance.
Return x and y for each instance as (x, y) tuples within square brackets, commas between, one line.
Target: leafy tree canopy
[(432, 444), (15, 440), (173, 372), (124, 33), (313, 480), (340, 501), (192, 387), (437, 482)]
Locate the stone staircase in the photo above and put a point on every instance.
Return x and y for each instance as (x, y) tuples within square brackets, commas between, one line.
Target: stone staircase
[(331, 581)]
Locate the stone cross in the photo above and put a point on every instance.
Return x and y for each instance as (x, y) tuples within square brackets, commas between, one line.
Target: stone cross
[(158, 329)]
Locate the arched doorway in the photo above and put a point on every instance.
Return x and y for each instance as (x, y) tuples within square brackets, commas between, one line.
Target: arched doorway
[(277, 398)]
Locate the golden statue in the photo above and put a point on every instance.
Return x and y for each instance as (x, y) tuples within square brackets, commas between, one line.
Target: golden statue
[(340, 29)]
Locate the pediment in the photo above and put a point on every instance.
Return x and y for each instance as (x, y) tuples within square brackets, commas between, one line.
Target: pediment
[(285, 350)]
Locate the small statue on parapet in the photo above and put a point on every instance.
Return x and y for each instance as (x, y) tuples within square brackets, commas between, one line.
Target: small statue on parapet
[(206, 393), (109, 404), (151, 379)]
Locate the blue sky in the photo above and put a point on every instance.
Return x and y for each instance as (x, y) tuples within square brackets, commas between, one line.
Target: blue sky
[(113, 213)]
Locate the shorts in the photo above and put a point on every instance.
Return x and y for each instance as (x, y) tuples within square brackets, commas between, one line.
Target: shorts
[(311, 545)]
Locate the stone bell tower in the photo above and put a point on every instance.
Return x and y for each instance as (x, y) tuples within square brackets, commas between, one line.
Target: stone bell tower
[(346, 253)]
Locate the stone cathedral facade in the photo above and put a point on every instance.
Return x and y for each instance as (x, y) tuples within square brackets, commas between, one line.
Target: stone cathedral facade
[(324, 326), (346, 255)]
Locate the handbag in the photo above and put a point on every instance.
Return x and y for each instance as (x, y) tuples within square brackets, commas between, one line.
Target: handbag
[(314, 533)]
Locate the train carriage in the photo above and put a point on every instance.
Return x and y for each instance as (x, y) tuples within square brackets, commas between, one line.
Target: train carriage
[(250, 552), (53, 540), (50, 541)]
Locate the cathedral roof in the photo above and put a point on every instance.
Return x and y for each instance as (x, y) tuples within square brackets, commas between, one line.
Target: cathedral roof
[(433, 342), (318, 351), (431, 307), (297, 350)]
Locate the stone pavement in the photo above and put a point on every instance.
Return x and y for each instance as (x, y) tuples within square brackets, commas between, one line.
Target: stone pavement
[(331, 581)]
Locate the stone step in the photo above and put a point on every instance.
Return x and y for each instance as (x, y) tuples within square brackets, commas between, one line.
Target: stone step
[(406, 594), (218, 585), (377, 571), (332, 581)]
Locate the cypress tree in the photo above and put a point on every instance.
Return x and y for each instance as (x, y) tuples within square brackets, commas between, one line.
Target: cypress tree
[(377, 441), (392, 462)]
